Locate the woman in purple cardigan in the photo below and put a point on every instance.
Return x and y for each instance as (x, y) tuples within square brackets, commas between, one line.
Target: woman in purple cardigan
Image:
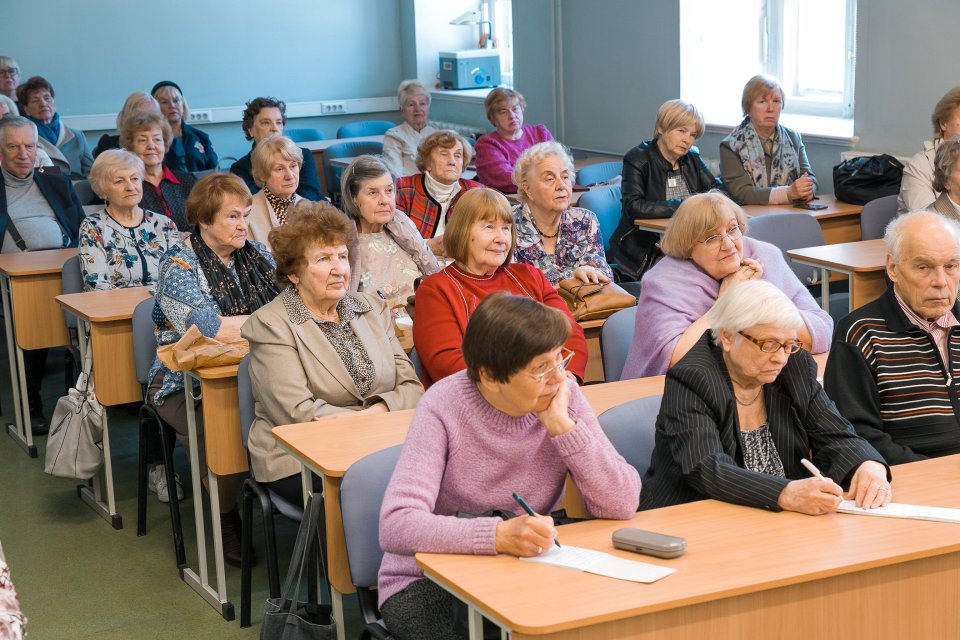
[(518, 425), (706, 253), (498, 151)]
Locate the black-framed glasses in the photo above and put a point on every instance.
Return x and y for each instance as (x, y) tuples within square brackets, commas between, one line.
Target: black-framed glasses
[(9, 73), (772, 346), (567, 356), (716, 240)]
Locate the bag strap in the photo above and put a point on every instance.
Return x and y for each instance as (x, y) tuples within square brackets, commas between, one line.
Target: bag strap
[(15, 235), (301, 549)]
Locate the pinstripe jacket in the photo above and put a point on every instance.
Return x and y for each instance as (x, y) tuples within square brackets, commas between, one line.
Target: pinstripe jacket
[(698, 450), (888, 379)]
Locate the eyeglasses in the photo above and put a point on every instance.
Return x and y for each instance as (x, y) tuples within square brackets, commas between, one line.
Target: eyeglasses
[(560, 366), (772, 346), (9, 73), (715, 241)]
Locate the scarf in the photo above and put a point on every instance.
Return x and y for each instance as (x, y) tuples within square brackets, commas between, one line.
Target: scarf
[(49, 131), (256, 286), (443, 194), (280, 205), (784, 160)]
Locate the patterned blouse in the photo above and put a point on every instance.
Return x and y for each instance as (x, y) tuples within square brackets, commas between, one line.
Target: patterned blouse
[(113, 256), (340, 335), (184, 299), (388, 270), (760, 453), (579, 244)]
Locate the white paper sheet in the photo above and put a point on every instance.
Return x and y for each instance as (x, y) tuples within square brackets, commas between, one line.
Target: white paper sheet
[(901, 510), (600, 563)]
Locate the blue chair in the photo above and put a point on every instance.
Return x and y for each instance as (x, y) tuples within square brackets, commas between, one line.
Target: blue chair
[(600, 172), (875, 217), (85, 193), (605, 203), (616, 335), (416, 362), (630, 427), (304, 135), (361, 495), (365, 128), (331, 174)]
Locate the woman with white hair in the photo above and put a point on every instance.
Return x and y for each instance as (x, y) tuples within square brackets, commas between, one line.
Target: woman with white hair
[(190, 149), (744, 407), (400, 143), (276, 164), (121, 245), (560, 240)]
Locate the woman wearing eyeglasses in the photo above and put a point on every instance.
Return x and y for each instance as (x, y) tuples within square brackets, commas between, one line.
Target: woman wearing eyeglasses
[(706, 254), (743, 408)]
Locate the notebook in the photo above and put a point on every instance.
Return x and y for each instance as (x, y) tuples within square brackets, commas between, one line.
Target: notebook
[(602, 564), (900, 510)]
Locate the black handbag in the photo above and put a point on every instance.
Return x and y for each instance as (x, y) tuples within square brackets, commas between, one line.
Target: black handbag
[(865, 178), (286, 617), (637, 252)]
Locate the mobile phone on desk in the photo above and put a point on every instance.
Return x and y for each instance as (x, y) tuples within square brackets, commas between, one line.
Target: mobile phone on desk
[(810, 206), (649, 543)]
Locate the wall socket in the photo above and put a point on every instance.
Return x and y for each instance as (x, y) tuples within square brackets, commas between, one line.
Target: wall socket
[(200, 116), (333, 108)]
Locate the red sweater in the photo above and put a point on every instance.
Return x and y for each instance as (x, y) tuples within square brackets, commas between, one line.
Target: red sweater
[(446, 299)]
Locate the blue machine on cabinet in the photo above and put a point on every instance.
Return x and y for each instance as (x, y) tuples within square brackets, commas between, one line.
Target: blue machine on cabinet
[(470, 68)]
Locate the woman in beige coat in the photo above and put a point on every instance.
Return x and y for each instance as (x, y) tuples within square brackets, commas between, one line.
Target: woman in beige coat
[(318, 350), (276, 163)]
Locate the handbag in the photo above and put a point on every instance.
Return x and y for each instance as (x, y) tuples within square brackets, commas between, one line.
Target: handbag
[(864, 178), (286, 617), (194, 350), (637, 252), (594, 301), (75, 443)]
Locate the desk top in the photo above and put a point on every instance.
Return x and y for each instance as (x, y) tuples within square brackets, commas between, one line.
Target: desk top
[(764, 550), (30, 263), (862, 256), (320, 145), (835, 208), (216, 373), (104, 306)]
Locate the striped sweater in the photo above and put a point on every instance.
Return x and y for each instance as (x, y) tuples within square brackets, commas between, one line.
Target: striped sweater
[(887, 377)]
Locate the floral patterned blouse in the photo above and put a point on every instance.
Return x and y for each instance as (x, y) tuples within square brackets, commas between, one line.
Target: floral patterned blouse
[(388, 270), (113, 256), (579, 244)]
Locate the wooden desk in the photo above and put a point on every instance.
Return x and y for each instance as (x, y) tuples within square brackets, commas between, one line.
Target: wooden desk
[(591, 331), (29, 284), (863, 262), (317, 147), (105, 328), (747, 573)]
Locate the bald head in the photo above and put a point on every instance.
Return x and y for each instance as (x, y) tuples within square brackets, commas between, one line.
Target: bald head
[(923, 261)]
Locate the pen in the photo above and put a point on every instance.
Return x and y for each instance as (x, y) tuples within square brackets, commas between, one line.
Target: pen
[(811, 468), (526, 507)]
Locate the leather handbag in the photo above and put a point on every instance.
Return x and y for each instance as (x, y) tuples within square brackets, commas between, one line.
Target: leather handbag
[(75, 443), (594, 301)]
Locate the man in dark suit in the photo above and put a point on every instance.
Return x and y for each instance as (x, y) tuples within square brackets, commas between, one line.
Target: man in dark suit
[(38, 211)]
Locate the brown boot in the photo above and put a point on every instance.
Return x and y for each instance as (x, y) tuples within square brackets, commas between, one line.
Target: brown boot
[(230, 533)]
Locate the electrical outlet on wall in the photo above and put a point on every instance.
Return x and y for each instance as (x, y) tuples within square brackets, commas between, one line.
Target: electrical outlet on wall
[(200, 116), (334, 108)]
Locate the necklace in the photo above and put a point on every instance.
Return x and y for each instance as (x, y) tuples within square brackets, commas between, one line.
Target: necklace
[(747, 404), (533, 219)]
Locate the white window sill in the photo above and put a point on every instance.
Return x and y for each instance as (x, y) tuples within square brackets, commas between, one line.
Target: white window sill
[(819, 129), (473, 96)]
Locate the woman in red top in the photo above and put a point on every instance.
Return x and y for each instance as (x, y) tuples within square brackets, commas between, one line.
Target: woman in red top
[(481, 240)]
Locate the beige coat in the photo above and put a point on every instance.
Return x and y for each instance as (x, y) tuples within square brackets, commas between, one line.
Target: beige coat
[(298, 376), (944, 206), (263, 218)]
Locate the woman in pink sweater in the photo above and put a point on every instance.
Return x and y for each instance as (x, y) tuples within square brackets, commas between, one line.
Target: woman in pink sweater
[(498, 151), (511, 422)]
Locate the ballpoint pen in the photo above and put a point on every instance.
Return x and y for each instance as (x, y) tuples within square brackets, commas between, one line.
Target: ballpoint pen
[(811, 468), (530, 512)]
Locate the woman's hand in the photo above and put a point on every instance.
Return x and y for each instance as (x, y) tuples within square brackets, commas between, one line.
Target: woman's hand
[(811, 496), (869, 486), (525, 536), (750, 269), (380, 407), (589, 275), (801, 189), (436, 245), (556, 417)]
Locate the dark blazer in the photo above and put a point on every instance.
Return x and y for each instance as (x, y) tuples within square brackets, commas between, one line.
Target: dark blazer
[(697, 452), (59, 193), (175, 195), (309, 181), (192, 151)]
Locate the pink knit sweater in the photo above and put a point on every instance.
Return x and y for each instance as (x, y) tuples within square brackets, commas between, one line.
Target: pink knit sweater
[(496, 155), (461, 454)]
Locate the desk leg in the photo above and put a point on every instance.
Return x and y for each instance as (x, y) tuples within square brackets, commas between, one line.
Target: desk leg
[(825, 288), (20, 431), (201, 583), (474, 623)]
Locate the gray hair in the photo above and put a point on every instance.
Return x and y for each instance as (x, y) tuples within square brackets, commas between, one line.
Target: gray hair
[(363, 168), (411, 88), (532, 156), (751, 303), (261, 159), (106, 166), (944, 161), (894, 234), (16, 122), (11, 105)]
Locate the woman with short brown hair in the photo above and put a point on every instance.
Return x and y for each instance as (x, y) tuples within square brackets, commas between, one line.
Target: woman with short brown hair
[(498, 151)]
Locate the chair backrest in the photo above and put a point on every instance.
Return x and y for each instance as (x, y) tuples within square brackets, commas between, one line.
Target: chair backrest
[(361, 495), (631, 427), (616, 335), (600, 172), (71, 281), (789, 231), (304, 135), (415, 361), (85, 193), (365, 128), (205, 172), (605, 203), (245, 397), (876, 215), (344, 150), (144, 339)]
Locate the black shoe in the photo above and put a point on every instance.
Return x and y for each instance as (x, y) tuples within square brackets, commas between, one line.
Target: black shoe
[(230, 534), (38, 422)]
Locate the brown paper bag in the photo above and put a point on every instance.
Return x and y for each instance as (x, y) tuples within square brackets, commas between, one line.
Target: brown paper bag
[(194, 351)]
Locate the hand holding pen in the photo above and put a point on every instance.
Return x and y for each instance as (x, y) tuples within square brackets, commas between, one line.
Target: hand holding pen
[(813, 496), (525, 536)]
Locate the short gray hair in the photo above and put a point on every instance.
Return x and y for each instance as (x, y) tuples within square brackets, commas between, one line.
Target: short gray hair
[(532, 156), (106, 166), (751, 303), (261, 158), (411, 88), (944, 161), (363, 168), (895, 231), (16, 122)]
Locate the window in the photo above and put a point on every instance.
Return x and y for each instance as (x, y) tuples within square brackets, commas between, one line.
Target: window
[(501, 13), (808, 45)]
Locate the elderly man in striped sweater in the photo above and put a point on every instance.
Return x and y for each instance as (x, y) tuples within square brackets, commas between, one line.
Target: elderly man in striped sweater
[(894, 367)]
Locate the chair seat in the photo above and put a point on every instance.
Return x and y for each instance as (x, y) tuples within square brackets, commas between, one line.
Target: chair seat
[(289, 509)]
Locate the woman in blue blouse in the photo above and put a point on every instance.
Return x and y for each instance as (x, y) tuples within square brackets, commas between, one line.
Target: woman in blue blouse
[(560, 240), (215, 279)]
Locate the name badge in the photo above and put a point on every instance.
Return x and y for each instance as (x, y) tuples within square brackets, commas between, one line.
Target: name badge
[(671, 182)]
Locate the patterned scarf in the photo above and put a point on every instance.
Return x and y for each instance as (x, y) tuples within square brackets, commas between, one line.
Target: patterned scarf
[(280, 205), (49, 131), (256, 285), (784, 160)]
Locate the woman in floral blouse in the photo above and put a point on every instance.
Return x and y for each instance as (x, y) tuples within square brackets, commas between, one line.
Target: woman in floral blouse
[(121, 245), (560, 240)]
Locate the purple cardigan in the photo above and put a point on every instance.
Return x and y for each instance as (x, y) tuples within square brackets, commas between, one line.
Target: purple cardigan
[(677, 293), (497, 155), (467, 456)]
